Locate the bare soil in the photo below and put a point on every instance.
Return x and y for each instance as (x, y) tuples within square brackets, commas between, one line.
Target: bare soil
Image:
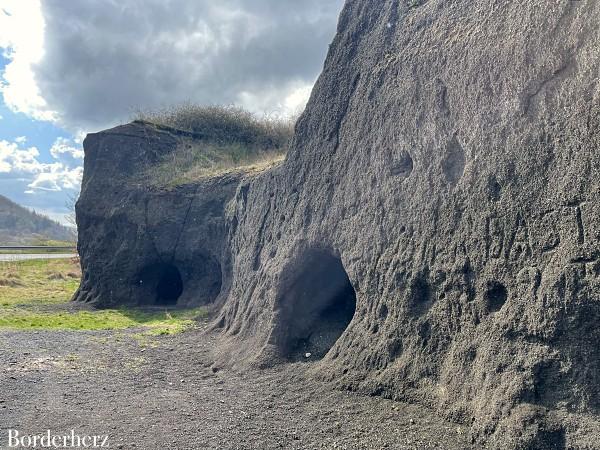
[(163, 392)]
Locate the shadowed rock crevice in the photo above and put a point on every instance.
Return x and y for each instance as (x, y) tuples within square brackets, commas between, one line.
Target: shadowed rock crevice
[(403, 166), (183, 283), (205, 276), (316, 303)]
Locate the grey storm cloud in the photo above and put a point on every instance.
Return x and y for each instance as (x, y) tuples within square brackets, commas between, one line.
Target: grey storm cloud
[(104, 59)]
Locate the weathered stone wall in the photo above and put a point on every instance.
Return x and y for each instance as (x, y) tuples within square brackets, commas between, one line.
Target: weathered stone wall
[(449, 158), (448, 163)]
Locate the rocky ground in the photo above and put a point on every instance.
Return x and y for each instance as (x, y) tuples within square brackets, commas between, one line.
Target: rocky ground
[(163, 392)]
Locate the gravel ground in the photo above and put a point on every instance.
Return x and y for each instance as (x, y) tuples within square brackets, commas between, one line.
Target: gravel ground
[(162, 393)]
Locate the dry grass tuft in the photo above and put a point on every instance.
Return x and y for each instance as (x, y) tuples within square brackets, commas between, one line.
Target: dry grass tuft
[(9, 282), (225, 125), (226, 139)]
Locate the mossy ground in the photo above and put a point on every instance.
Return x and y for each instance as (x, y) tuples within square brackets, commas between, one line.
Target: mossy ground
[(35, 295)]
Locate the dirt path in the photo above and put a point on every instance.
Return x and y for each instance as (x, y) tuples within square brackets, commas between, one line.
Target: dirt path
[(161, 393)]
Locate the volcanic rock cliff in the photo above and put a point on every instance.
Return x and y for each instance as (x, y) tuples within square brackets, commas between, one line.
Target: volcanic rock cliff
[(432, 235)]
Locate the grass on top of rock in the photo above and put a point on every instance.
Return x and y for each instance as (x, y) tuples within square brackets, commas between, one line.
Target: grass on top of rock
[(224, 139), (34, 295)]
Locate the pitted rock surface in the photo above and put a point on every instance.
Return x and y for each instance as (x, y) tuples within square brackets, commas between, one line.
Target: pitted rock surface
[(445, 174)]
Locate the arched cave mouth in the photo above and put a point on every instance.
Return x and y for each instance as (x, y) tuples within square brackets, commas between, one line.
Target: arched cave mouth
[(170, 286), (316, 304), (162, 284)]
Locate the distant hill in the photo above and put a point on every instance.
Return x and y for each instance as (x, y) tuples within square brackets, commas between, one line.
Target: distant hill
[(20, 226)]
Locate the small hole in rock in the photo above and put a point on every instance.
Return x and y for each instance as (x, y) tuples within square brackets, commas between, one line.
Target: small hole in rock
[(550, 439), (495, 296), (494, 189), (403, 167), (420, 295), (453, 164), (383, 312)]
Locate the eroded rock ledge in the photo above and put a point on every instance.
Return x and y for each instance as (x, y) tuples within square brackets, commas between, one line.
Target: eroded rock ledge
[(433, 232)]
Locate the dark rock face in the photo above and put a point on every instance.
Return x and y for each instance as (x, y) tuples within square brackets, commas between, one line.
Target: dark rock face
[(143, 246), (447, 168)]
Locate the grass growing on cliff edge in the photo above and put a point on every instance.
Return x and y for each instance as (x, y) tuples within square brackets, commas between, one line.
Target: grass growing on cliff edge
[(34, 295), (224, 124), (225, 139)]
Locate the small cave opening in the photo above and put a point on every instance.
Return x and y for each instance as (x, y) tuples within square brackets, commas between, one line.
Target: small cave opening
[(162, 284), (316, 304), (170, 286), (496, 296)]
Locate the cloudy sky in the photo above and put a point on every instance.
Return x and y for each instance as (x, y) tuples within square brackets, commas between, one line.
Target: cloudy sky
[(69, 67)]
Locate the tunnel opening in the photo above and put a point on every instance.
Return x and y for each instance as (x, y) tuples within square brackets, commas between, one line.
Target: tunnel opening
[(316, 304), (162, 285), (170, 286)]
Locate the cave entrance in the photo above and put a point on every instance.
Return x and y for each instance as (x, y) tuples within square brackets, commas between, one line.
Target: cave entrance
[(169, 287), (161, 284), (316, 304)]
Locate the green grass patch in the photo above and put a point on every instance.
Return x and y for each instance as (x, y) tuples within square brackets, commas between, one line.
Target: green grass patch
[(38, 282), (34, 295), (156, 322), (53, 243)]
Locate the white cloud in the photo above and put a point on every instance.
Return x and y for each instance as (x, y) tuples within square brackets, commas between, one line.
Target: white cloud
[(57, 177), (22, 38), (19, 163), (62, 147), (297, 99), (19, 160), (88, 65), (21, 140), (287, 101)]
